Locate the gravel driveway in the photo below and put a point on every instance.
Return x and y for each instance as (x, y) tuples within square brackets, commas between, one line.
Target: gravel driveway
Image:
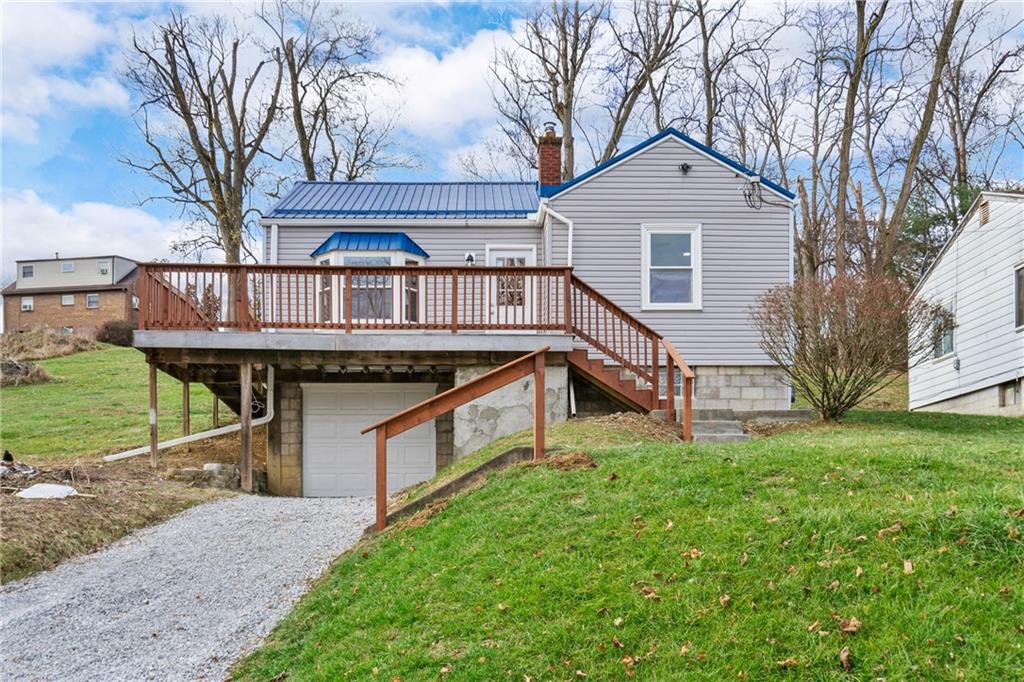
[(182, 600)]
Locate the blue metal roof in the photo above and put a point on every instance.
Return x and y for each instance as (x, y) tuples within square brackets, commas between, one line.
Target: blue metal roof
[(553, 190), (370, 241), (408, 200)]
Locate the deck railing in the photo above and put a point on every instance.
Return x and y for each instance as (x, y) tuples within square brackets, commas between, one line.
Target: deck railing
[(258, 297)]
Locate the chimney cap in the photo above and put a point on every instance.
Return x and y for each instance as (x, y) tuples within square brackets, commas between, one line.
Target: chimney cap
[(549, 128)]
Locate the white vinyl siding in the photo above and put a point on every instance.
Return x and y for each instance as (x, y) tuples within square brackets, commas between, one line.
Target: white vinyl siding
[(977, 273), (744, 251)]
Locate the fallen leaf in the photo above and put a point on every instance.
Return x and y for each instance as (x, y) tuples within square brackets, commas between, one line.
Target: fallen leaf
[(744, 559), (617, 622), (669, 525), (694, 553), (580, 673), (772, 519), (502, 607), (908, 566), (844, 659), (834, 585), (724, 600), (850, 625), (616, 642), (961, 540), (649, 592), (612, 476), (894, 528), (814, 626), (787, 663), (791, 570), (861, 538), (685, 648), (859, 572)]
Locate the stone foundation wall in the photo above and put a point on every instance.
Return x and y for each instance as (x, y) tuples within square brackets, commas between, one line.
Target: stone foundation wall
[(507, 410), (741, 388), (986, 401), (284, 442)]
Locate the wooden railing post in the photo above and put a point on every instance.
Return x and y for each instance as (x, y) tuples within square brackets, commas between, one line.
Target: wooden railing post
[(567, 300), (688, 408), (455, 301), (654, 370), (670, 388), (538, 407), (382, 477), (348, 301)]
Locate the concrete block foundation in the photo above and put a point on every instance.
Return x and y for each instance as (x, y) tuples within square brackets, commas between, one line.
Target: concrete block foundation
[(741, 388)]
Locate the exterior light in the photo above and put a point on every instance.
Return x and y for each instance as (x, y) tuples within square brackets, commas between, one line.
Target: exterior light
[(470, 260)]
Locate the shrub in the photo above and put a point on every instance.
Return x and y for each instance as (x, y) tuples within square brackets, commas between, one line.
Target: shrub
[(40, 344), (117, 332), (841, 341)]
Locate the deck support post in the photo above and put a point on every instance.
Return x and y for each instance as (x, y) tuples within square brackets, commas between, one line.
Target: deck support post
[(688, 408), (245, 417), (186, 427), (153, 436), (381, 477), (670, 389), (216, 411), (538, 407)]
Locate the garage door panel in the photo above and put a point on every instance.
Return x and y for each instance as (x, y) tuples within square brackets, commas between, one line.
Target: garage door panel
[(339, 461)]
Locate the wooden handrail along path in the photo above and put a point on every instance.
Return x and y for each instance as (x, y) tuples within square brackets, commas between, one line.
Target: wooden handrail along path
[(532, 363)]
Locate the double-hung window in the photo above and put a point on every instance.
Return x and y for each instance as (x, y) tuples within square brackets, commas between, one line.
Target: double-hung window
[(1018, 294), (371, 292), (944, 341), (27, 271), (92, 300), (671, 267)]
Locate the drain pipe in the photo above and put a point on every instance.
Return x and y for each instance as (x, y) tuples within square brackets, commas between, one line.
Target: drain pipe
[(231, 428), (568, 224)]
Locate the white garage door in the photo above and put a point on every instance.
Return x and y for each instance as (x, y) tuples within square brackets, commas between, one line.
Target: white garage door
[(337, 461)]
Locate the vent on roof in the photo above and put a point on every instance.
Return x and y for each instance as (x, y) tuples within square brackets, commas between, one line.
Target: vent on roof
[(984, 213)]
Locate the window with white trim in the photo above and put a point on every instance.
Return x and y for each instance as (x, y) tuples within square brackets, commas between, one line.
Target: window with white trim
[(92, 300), (28, 304), (67, 299), (67, 266), (670, 256), (69, 330), (28, 271), (103, 267), (371, 293), (944, 343), (135, 302), (1018, 301)]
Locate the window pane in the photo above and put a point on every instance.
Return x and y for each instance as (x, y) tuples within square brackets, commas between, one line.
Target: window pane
[(1020, 297), (367, 260), (671, 286), (671, 250)]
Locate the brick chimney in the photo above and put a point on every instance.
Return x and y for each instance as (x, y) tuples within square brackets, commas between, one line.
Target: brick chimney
[(549, 156)]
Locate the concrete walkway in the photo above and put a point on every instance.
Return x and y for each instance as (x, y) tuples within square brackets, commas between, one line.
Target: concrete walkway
[(182, 600)]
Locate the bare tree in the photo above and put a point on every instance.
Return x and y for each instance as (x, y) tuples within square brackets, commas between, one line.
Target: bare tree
[(543, 74), (328, 74), (205, 112)]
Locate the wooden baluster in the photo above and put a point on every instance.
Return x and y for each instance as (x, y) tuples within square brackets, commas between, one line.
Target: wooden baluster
[(567, 299), (670, 388), (654, 372), (348, 301), (455, 301)]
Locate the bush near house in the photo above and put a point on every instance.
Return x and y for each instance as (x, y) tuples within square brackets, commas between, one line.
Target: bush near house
[(40, 344), (890, 545), (116, 332)]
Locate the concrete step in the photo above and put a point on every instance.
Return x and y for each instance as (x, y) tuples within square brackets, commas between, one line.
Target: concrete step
[(720, 437), (721, 426), (712, 415)]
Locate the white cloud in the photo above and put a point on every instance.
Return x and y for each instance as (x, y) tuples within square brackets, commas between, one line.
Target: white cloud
[(33, 228), (55, 55), (442, 96)]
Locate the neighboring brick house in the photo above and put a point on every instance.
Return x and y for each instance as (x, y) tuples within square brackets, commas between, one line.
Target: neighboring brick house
[(74, 295)]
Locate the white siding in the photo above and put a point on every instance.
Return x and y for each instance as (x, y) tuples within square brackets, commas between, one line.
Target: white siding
[(744, 251), (976, 274), (47, 273)]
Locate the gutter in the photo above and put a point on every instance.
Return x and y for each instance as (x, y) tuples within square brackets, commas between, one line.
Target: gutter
[(546, 209), (212, 433)]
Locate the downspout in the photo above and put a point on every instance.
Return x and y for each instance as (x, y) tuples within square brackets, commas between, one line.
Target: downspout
[(231, 428), (273, 245), (792, 241), (568, 223)]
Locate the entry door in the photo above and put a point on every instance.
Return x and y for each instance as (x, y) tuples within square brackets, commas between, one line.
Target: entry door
[(338, 461), (511, 297)]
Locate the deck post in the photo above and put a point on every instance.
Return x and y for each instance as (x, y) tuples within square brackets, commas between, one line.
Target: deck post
[(348, 300), (186, 427), (567, 300), (382, 477), (655, 374), (216, 411), (245, 417), (538, 407), (153, 436), (455, 301)]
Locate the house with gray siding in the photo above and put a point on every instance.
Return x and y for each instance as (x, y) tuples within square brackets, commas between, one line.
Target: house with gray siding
[(375, 296), (978, 367)]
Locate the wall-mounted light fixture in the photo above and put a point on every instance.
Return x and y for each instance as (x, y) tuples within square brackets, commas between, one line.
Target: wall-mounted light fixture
[(470, 260), (684, 168)]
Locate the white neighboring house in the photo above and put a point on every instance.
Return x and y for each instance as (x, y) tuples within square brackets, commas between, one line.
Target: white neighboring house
[(978, 368)]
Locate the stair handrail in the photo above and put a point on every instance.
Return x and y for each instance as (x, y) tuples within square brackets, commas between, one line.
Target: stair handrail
[(411, 417), (672, 360)]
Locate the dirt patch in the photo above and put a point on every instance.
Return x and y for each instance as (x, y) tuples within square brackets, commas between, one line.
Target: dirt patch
[(20, 372), (115, 498), (763, 428), (420, 518), (644, 426), (40, 344), (565, 461)]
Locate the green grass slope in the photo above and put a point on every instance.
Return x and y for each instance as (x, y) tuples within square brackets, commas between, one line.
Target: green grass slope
[(98, 403), (704, 561)]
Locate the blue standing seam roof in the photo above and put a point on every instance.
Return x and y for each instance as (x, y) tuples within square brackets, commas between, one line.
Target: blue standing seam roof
[(370, 241), (553, 190), (393, 200)]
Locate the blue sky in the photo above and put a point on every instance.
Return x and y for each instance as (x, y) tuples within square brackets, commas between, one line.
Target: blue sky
[(67, 118)]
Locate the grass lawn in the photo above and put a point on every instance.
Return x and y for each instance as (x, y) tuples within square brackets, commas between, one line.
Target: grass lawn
[(98, 403), (895, 536)]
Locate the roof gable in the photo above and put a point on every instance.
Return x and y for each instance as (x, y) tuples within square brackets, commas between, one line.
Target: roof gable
[(555, 190)]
